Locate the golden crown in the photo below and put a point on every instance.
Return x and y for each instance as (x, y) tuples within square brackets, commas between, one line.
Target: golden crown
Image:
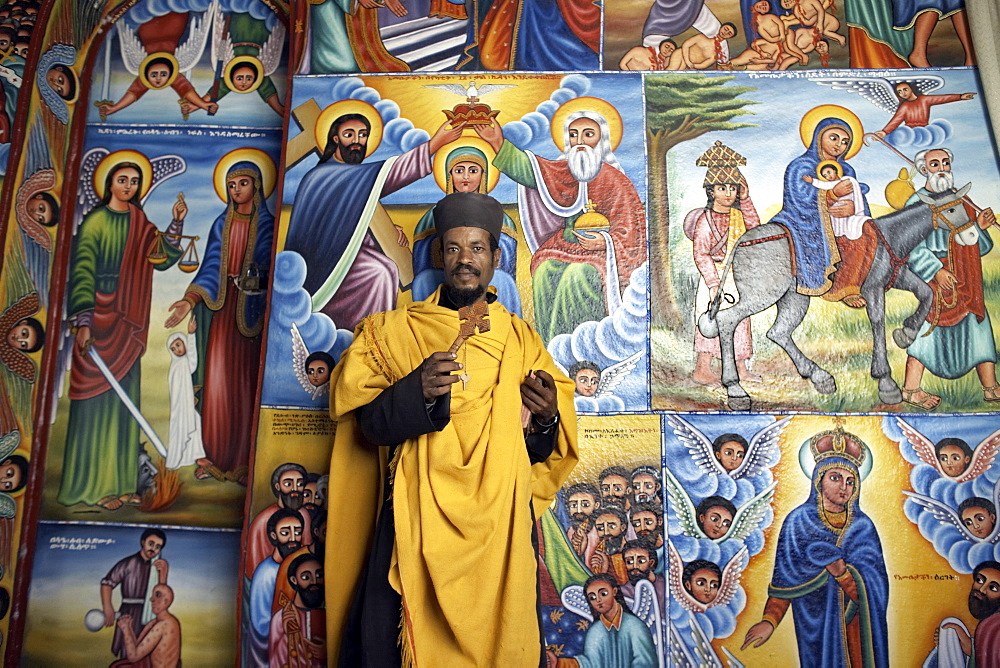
[(838, 443)]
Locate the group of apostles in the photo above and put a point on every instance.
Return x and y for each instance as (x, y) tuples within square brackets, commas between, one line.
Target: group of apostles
[(17, 24)]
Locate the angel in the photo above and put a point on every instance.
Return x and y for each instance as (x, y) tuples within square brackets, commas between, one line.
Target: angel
[(243, 63), (472, 92), (701, 584), (716, 518), (729, 454), (36, 209), (311, 369), (592, 381), (975, 518), (906, 98), (952, 457), (22, 334), (13, 477), (153, 52)]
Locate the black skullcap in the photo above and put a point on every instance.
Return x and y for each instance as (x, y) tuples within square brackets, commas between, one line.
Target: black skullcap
[(469, 210)]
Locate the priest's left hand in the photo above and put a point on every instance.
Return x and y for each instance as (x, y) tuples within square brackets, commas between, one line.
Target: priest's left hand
[(538, 393)]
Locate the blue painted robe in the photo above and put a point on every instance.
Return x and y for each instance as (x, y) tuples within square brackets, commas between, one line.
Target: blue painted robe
[(815, 249), (806, 545), (629, 646)]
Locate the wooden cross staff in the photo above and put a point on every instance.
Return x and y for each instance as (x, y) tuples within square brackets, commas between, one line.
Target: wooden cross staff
[(471, 318)]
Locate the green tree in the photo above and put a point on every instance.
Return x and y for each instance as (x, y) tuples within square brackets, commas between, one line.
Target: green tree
[(680, 107)]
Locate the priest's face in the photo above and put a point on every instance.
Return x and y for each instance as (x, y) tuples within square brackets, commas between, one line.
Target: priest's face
[(468, 260)]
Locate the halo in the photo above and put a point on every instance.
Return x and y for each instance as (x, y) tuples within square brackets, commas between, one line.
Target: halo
[(264, 163), (830, 163), (126, 155), (338, 109), (150, 58), (441, 161), (807, 464), (596, 104), (227, 73), (812, 118)]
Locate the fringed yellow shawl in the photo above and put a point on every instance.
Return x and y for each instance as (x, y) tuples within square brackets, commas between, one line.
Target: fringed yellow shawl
[(463, 561)]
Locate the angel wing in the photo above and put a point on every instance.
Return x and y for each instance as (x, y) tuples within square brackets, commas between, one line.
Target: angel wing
[(457, 89), (697, 444), (86, 196), (880, 91), (682, 505), (760, 453), (17, 370), (647, 608), (164, 167), (675, 567), (199, 26), (921, 445), (222, 46), (731, 574), (299, 355), (749, 515), (612, 376), (132, 50), (943, 514), (57, 54), (486, 89), (273, 48), (982, 456), (574, 600)]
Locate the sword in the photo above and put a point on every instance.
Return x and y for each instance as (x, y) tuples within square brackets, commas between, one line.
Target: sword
[(120, 391)]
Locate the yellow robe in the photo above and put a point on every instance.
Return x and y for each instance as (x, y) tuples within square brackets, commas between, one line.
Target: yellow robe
[(463, 560)]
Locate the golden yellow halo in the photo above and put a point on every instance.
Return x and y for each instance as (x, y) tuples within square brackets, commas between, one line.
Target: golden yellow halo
[(338, 109), (264, 163), (812, 118), (227, 73), (150, 58), (830, 163), (595, 104), (441, 161), (105, 166)]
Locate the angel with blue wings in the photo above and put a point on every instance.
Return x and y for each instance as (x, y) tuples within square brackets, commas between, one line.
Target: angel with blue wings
[(701, 584), (312, 370), (975, 519), (730, 454), (953, 458), (716, 518), (905, 97)]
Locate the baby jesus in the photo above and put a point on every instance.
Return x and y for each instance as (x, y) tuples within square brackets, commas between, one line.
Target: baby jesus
[(831, 173)]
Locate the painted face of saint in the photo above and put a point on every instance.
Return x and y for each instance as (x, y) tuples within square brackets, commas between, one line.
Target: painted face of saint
[(288, 535), (637, 563), (703, 585), (21, 50), (22, 336), (829, 173), (609, 526), (158, 75), (644, 486), (151, 547), (290, 486), (666, 50), (584, 131), (614, 486), (987, 583), (953, 460), (730, 455), (125, 184), (40, 209), (978, 521), (10, 476), (837, 488), (724, 194), (243, 77), (715, 522), (644, 523), (178, 348), (58, 81), (352, 136), (586, 381), (601, 596), (938, 161), (727, 32), (318, 373), (4, 42), (834, 142), (580, 506), (466, 177), (904, 92), (240, 189)]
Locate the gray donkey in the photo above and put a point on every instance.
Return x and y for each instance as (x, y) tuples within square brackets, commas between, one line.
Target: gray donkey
[(761, 264)]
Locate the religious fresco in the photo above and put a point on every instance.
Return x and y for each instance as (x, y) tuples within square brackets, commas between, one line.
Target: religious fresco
[(854, 349), (770, 35), (715, 479)]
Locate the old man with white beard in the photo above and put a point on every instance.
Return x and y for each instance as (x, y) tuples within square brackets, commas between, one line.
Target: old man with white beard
[(579, 270), (957, 336)]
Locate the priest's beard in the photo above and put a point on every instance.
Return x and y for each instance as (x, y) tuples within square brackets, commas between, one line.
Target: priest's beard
[(312, 596), (292, 500), (982, 607), (584, 162), (464, 296), (352, 154), (285, 549), (940, 182)]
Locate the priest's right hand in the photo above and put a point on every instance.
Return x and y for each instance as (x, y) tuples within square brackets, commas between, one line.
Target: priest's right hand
[(435, 375)]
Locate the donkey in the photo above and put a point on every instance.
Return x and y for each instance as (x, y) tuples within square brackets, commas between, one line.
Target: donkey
[(762, 270)]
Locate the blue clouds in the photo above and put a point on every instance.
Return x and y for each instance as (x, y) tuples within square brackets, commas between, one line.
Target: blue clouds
[(290, 303), (149, 9), (934, 134)]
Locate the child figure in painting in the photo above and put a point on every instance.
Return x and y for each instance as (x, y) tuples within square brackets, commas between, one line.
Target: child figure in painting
[(184, 446), (831, 173)]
